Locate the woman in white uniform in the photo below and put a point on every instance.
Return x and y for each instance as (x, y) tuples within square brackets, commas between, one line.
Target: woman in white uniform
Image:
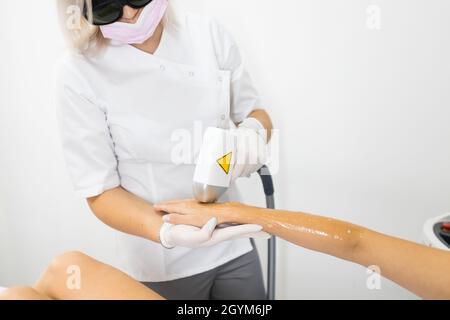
[(139, 78)]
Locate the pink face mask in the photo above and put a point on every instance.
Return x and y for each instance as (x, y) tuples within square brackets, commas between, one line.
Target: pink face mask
[(140, 31)]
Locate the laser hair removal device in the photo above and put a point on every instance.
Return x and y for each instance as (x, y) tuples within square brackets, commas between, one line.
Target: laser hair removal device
[(214, 169), (436, 232)]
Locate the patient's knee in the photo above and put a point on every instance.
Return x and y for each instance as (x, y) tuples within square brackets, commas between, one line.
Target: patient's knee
[(61, 263)]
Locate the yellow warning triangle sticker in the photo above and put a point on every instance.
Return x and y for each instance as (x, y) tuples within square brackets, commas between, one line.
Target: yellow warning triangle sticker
[(225, 162)]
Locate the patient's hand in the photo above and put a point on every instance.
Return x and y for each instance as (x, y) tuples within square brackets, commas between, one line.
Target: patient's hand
[(191, 212)]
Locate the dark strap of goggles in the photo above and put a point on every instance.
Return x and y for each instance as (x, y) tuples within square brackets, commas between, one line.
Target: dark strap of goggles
[(96, 3)]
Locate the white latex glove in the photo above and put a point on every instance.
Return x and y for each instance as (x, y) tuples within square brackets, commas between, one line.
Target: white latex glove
[(251, 148), (172, 236), (222, 234)]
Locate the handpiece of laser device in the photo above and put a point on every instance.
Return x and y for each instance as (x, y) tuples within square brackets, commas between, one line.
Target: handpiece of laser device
[(214, 169)]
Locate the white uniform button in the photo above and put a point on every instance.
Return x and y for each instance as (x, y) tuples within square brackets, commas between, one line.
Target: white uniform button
[(191, 74), (162, 67), (223, 117)]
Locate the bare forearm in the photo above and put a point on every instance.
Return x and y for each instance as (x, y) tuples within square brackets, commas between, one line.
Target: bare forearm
[(317, 233), (128, 213), (420, 269)]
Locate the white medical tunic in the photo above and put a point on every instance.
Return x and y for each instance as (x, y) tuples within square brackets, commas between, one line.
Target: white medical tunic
[(122, 113)]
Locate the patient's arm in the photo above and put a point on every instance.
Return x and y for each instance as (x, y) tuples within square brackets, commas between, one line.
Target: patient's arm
[(97, 281), (418, 268)]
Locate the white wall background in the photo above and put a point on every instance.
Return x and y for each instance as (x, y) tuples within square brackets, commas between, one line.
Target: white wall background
[(364, 118)]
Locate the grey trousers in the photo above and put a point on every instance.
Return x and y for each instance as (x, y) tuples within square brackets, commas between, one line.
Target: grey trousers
[(239, 279)]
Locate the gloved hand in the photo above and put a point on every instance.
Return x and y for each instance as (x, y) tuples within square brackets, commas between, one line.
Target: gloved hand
[(172, 236), (251, 148)]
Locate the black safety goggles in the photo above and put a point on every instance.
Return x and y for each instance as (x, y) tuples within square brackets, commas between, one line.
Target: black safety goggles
[(109, 11)]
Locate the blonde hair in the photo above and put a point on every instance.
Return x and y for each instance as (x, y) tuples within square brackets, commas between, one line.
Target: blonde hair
[(85, 37)]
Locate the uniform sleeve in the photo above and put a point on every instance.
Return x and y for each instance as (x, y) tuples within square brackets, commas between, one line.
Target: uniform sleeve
[(244, 96), (86, 141)]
